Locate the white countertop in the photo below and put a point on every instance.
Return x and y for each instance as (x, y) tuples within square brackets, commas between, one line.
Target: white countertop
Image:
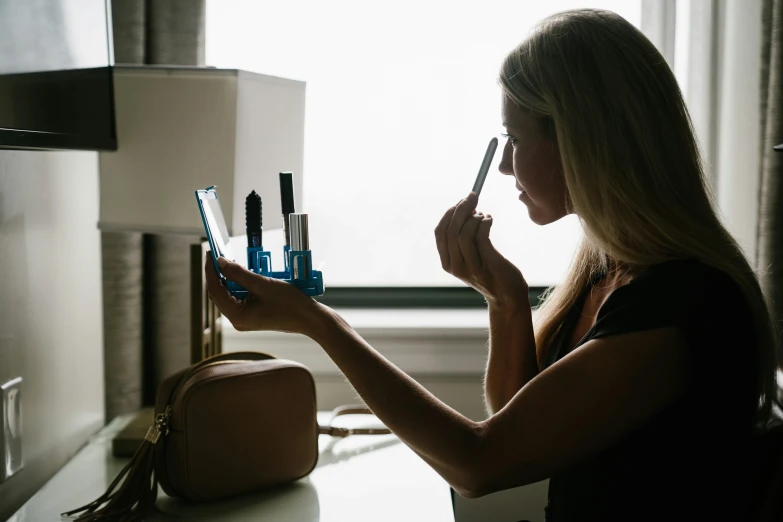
[(360, 478)]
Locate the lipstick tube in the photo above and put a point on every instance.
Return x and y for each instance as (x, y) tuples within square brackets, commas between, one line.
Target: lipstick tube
[(300, 233), (301, 263)]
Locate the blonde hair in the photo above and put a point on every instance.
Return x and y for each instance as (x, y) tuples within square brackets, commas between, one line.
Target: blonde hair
[(631, 165)]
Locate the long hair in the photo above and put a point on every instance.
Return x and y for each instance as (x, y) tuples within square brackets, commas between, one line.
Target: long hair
[(631, 164)]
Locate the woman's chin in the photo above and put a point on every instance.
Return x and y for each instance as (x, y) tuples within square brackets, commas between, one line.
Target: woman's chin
[(541, 217)]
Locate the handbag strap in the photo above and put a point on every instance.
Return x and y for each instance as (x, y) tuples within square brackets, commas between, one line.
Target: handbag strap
[(349, 409)]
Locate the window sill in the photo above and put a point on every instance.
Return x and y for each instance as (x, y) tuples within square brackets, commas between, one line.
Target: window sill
[(419, 341)]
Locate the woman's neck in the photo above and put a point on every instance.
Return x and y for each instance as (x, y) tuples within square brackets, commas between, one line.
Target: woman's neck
[(620, 273)]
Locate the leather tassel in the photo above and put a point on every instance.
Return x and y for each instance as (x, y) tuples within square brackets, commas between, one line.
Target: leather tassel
[(132, 494)]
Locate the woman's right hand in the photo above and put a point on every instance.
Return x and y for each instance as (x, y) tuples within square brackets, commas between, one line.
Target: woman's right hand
[(466, 252)]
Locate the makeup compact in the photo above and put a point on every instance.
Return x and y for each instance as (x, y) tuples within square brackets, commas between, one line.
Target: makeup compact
[(297, 257)]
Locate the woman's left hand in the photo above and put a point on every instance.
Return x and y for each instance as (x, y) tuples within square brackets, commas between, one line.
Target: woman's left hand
[(271, 304)]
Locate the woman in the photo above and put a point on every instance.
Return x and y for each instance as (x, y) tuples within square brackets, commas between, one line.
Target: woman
[(638, 389)]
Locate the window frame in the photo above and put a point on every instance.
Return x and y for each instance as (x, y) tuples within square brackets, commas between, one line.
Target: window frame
[(409, 297), (658, 22)]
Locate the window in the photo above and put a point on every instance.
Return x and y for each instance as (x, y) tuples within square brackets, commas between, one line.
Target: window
[(402, 98)]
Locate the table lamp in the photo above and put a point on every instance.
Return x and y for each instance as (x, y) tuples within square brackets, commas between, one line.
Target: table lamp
[(180, 129)]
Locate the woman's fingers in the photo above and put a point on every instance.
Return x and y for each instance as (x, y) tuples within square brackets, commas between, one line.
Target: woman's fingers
[(462, 212), (219, 294), (256, 284), (467, 243), (455, 237), (486, 250), (441, 241), (241, 276)]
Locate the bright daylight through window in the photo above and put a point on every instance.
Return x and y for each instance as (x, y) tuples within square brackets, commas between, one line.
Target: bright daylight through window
[(402, 98)]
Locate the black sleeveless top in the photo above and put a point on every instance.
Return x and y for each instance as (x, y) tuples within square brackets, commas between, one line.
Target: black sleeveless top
[(693, 460)]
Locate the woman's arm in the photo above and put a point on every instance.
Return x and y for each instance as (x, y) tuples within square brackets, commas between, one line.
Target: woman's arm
[(581, 404), (467, 253), (586, 401), (512, 353), (444, 438)]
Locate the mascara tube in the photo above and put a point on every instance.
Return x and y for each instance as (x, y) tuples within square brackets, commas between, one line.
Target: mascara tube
[(301, 264), (253, 220)]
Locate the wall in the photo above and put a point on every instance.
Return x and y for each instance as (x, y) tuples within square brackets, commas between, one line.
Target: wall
[(51, 330)]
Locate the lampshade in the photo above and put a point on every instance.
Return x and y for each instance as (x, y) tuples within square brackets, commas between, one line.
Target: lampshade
[(180, 129)]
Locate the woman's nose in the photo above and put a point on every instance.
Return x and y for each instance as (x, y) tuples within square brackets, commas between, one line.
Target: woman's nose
[(506, 165)]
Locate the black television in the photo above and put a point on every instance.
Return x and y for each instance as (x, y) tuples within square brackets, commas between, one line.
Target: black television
[(56, 88)]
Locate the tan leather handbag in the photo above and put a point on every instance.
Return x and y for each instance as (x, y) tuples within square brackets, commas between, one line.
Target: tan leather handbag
[(230, 424)]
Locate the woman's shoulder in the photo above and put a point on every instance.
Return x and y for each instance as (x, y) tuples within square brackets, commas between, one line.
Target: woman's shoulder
[(681, 279), (682, 292), (700, 284)]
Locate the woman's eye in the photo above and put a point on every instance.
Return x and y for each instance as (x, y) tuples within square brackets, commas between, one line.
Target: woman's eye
[(511, 139)]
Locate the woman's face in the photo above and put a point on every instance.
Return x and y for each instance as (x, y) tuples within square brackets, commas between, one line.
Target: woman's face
[(533, 159)]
